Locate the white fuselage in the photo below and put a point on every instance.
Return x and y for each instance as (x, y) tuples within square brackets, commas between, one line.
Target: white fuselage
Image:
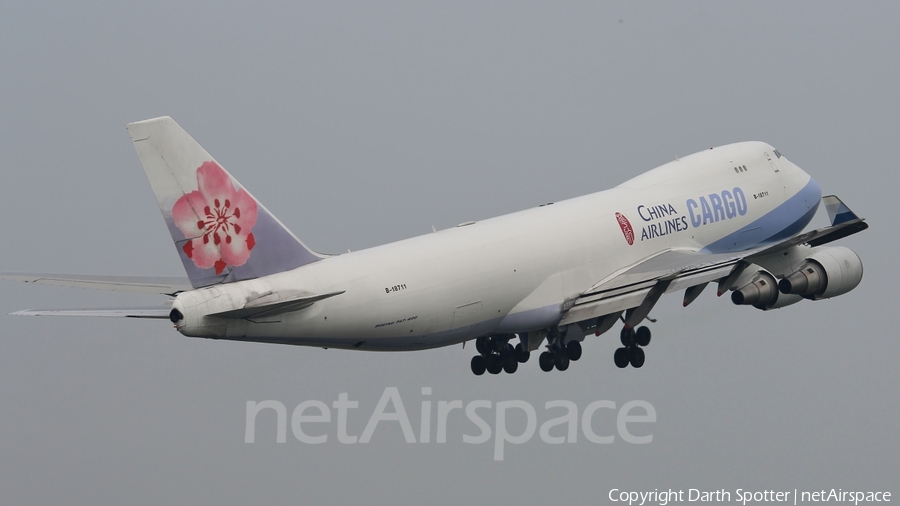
[(514, 273)]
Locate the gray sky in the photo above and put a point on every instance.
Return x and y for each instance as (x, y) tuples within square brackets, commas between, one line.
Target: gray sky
[(359, 124)]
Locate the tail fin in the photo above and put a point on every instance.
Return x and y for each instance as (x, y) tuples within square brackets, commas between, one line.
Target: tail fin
[(221, 232), (838, 212)]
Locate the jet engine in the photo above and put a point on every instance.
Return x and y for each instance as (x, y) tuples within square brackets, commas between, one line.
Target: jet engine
[(827, 273), (762, 293)]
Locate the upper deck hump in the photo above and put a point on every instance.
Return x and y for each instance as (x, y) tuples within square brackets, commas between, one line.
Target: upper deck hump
[(683, 166)]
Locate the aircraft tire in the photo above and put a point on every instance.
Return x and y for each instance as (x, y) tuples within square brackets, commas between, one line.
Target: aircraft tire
[(627, 337), (521, 355), (482, 346), (573, 350), (636, 357), (478, 365), (510, 364), (621, 358), (546, 361), (561, 361), (494, 364), (642, 336)]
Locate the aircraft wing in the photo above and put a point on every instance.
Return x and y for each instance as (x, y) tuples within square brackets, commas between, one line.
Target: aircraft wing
[(165, 285), (666, 272), (640, 285), (820, 236)]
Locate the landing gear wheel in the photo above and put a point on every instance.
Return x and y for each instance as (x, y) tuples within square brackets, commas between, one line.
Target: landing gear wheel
[(627, 337), (561, 361), (522, 355), (546, 361), (573, 350), (636, 357), (481, 344), (494, 364), (510, 364), (621, 358), (478, 365), (642, 336)]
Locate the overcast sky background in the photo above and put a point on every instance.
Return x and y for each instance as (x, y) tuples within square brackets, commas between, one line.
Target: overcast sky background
[(359, 124)]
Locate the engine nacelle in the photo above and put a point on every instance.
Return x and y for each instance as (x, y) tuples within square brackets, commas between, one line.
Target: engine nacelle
[(762, 293), (827, 273)]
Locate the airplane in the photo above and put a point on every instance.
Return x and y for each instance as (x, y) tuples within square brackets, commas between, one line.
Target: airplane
[(542, 278)]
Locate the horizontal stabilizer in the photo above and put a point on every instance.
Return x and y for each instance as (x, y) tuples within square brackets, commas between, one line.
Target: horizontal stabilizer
[(274, 308), (106, 313), (165, 285)]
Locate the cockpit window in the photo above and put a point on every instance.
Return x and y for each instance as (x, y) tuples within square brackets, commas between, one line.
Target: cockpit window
[(777, 154)]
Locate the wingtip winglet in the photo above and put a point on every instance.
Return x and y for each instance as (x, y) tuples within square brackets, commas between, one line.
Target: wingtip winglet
[(838, 212)]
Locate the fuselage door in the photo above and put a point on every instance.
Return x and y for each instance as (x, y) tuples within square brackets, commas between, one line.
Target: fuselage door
[(466, 315), (771, 161)]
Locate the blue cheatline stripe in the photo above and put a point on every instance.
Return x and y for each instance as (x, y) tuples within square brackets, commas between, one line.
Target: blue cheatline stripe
[(780, 223)]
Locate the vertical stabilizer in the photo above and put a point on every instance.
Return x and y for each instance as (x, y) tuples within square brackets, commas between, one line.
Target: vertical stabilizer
[(221, 232)]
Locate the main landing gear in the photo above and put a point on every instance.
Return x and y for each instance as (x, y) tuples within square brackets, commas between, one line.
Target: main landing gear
[(632, 351), (558, 354), (497, 354)]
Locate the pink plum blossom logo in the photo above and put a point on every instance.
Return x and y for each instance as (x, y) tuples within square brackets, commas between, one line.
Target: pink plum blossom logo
[(627, 229), (221, 236)]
